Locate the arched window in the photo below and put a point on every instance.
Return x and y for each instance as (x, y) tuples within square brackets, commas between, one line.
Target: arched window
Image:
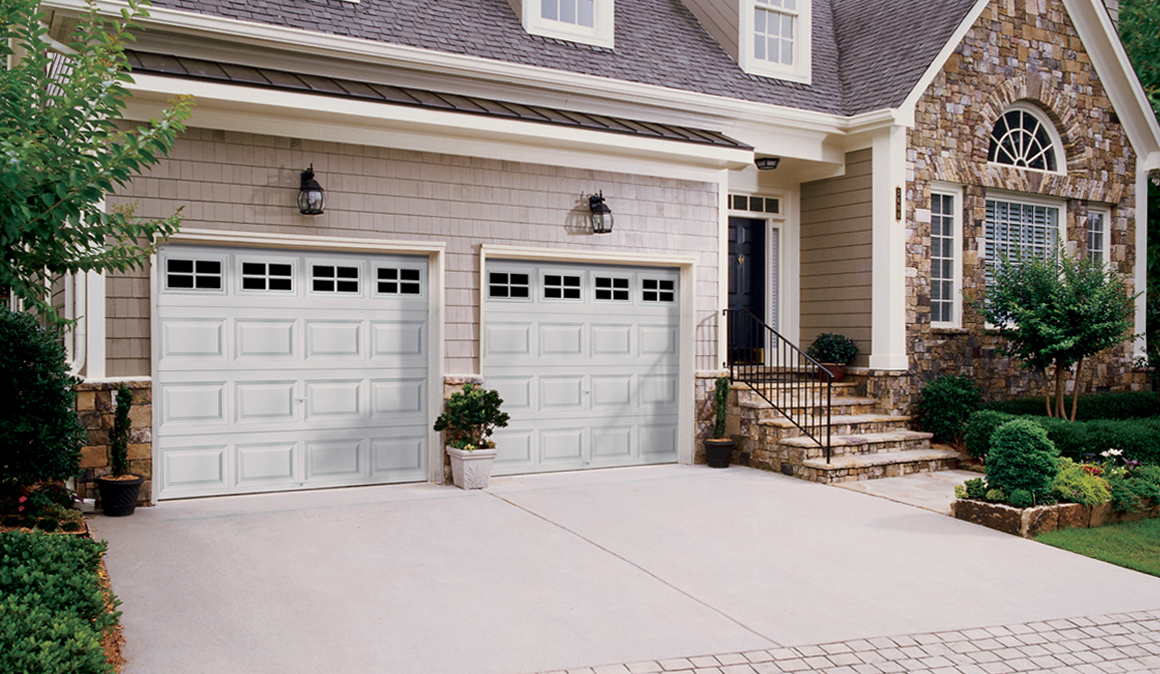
[(1022, 138)]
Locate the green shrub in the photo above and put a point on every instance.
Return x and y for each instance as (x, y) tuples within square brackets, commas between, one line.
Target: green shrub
[(996, 495), (720, 406), (1114, 406), (1073, 484), (945, 405), (52, 606), (1021, 498), (981, 425), (1147, 479), (119, 434), (976, 488), (470, 417), (831, 347), (40, 436), (1022, 457)]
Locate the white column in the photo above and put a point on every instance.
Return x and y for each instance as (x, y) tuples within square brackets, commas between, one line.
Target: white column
[(888, 252), (95, 321), (1140, 344)]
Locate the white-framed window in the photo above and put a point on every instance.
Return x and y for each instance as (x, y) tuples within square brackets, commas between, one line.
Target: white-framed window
[(584, 21), (946, 256), (1025, 138), (1098, 234), (776, 38), (1020, 226), (200, 274)]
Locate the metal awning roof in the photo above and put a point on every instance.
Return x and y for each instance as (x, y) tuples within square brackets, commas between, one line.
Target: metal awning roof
[(199, 69)]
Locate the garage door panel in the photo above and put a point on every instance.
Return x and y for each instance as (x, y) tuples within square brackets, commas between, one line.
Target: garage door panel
[(561, 340), (514, 448), (611, 391), (562, 445), (612, 340), (612, 443), (562, 393), (201, 339), (201, 403), (657, 440), (265, 339), (334, 339), (392, 398), (300, 387), (508, 340), (266, 463), (268, 401), (391, 340), (516, 392), (658, 390), (338, 458), (334, 399), (658, 340)]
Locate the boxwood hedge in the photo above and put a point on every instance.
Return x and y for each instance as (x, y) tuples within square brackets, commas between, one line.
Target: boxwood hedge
[(1118, 405), (1077, 440)]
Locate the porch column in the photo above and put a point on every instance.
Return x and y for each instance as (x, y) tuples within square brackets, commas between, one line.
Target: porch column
[(888, 252)]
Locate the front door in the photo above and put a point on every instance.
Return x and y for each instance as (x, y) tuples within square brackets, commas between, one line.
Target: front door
[(746, 288)]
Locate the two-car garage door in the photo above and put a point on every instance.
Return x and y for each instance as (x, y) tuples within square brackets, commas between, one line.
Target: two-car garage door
[(286, 370)]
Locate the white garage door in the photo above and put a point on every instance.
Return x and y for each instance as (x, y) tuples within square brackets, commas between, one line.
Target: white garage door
[(586, 360), (288, 370)]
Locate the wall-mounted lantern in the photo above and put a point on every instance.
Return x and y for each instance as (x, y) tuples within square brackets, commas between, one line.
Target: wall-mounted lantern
[(767, 163), (601, 214), (311, 196)]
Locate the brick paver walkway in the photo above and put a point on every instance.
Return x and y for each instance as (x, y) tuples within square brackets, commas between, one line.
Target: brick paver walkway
[(1091, 645)]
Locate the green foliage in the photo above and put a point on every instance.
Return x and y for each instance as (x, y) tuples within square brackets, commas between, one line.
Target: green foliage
[(1022, 457), (1021, 498), (1140, 33), (946, 404), (470, 417), (40, 435), (976, 488), (981, 425), (52, 606), (119, 434), (1057, 311), (1112, 405), (830, 347), (721, 406), (1074, 484), (62, 150), (1134, 545), (996, 495)]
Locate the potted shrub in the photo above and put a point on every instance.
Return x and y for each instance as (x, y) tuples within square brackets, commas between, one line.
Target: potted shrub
[(834, 352), (718, 448), (119, 490), (467, 423)]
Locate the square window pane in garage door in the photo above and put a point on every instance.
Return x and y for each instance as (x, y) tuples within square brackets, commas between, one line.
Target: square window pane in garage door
[(561, 287), (275, 276), (658, 290), (612, 289), (329, 278), (505, 285), (192, 274), (398, 281)]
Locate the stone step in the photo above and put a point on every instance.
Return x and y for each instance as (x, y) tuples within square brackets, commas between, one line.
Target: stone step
[(874, 466), (864, 444), (842, 405), (844, 424)]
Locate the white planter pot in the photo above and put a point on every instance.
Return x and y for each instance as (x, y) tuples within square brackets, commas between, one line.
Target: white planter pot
[(471, 470)]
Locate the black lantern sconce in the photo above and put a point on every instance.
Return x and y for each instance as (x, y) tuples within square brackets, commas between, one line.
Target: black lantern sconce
[(601, 214), (767, 163), (311, 196)]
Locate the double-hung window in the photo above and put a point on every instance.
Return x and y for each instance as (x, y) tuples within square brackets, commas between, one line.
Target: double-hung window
[(775, 38), (1017, 227), (945, 257), (585, 21), (1098, 236)]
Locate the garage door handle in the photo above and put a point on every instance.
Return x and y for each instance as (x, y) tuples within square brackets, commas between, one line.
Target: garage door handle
[(300, 400)]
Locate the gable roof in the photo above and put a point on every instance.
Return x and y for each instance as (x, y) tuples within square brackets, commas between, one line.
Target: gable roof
[(866, 55)]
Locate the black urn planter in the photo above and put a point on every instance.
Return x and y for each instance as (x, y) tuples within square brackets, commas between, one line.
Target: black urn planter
[(718, 452), (119, 497)]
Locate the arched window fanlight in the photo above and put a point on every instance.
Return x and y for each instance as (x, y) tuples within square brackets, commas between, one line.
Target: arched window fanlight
[(1021, 139)]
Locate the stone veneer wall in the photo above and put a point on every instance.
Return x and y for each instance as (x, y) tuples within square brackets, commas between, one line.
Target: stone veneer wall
[(1016, 51), (95, 409)]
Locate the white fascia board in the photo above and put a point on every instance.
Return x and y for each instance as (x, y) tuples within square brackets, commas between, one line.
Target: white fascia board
[(238, 108), (1116, 74), (576, 91), (330, 244), (911, 101)]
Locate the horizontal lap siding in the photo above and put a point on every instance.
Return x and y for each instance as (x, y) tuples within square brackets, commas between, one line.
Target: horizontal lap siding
[(836, 254), (248, 182)]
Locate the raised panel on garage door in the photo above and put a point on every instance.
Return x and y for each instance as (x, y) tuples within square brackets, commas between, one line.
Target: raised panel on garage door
[(289, 370), (586, 359)]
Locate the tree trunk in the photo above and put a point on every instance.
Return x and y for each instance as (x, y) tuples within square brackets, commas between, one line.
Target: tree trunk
[(1075, 390), (1046, 392), (1058, 391)]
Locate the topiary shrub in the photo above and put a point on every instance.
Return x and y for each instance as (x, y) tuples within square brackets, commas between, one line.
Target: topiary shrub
[(1022, 457), (40, 435), (981, 425), (946, 404), (119, 434), (1074, 484)]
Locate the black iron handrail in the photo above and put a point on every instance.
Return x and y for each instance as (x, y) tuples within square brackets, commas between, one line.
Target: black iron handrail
[(781, 373)]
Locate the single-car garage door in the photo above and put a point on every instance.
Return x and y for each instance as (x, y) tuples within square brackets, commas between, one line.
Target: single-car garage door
[(288, 370), (586, 359)]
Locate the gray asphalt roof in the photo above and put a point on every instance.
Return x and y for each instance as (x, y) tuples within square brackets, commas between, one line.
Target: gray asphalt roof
[(866, 54), (269, 78)]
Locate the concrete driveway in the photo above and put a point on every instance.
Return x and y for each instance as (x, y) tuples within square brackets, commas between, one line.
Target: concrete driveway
[(568, 570)]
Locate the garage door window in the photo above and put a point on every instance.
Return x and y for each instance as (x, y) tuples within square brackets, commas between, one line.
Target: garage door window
[(560, 287), (658, 290), (268, 276), (335, 279), (395, 281), (612, 289), (502, 285), (187, 274)]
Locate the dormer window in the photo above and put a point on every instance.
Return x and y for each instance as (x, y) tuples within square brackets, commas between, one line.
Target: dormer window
[(1024, 138), (584, 21), (775, 38)]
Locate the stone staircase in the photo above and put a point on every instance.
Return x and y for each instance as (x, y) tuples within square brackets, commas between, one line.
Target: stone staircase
[(867, 442)]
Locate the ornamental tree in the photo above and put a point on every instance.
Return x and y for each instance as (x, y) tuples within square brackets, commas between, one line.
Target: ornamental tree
[(62, 149), (1055, 312)]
